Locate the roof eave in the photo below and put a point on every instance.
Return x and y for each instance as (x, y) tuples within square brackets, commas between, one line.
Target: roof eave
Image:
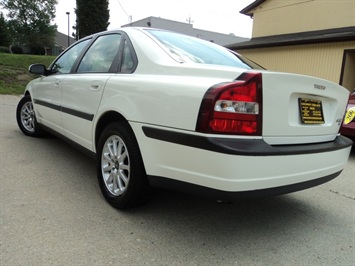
[(247, 10), (324, 36)]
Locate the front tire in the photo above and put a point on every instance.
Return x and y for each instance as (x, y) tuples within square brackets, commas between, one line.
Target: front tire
[(120, 168), (26, 118)]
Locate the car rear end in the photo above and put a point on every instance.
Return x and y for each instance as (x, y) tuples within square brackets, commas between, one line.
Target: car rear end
[(263, 133), (251, 132)]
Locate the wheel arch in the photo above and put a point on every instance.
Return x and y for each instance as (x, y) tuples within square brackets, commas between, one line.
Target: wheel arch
[(106, 119)]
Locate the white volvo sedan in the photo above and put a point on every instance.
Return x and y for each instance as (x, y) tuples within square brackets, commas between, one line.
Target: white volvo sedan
[(160, 109)]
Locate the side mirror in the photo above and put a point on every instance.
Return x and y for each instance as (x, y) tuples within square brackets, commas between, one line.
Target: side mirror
[(38, 69)]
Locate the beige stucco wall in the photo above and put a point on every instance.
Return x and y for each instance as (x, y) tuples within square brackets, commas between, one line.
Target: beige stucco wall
[(349, 71), (275, 17), (320, 60)]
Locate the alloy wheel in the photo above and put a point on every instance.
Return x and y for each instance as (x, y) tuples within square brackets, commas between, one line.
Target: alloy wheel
[(28, 117), (115, 165)]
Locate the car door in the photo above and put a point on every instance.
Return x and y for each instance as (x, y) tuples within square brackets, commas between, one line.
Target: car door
[(47, 94), (82, 91)]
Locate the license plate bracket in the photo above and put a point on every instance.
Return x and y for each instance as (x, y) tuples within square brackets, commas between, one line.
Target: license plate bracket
[(311, 111)]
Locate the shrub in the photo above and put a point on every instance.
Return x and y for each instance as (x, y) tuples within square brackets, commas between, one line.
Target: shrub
[(17, 50), (37, 50), (4, 49)]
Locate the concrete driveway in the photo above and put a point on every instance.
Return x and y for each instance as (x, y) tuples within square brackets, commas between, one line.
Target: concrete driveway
[(52, 213)]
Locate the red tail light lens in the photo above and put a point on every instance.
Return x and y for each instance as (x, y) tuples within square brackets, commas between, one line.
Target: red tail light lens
[(233, 108)]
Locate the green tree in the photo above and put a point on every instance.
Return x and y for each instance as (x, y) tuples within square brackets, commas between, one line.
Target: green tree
[(91, 16), (5, 39), (29, 21)]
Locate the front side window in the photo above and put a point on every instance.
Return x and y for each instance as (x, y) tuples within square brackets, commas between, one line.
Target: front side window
[(101, 55), (186, 49), (65, 63)]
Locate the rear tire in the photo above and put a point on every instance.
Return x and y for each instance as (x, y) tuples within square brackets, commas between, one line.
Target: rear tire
[(26, 118), (120, 168)]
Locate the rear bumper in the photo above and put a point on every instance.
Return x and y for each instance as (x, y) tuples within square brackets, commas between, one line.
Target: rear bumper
[(245, 147), (172, 184), (237, 166)]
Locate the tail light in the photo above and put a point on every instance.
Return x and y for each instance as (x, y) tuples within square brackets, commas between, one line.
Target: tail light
[(233, 108)]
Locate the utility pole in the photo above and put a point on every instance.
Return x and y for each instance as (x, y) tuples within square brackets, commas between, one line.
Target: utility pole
[(68, 13), (189, 20)]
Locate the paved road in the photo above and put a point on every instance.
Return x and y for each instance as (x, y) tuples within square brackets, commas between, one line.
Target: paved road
[(52, 213)]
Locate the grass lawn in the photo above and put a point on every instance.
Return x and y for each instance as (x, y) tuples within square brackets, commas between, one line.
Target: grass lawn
[(14, 71)]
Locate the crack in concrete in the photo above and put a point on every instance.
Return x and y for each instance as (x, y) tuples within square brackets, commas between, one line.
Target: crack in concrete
[(338, 193)]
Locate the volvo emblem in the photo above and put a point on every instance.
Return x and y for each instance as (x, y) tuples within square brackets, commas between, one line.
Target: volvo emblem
[(319, 87)]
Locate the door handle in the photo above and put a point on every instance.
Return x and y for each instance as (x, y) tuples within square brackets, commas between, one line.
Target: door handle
[(96, 85)]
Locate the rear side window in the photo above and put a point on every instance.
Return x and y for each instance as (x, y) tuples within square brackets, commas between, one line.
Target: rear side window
[(101, 55), (189, 49), (128, 61)]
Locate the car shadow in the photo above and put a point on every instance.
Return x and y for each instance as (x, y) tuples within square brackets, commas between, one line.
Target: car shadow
[(194, 222)]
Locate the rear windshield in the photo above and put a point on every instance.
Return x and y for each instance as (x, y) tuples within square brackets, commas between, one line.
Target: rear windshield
[(189, 49)]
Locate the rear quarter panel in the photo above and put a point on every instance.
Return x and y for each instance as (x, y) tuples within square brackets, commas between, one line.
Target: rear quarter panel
[(164, 100)]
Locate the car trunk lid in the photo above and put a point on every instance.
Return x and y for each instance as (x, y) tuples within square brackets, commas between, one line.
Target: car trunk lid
[(301, 109)]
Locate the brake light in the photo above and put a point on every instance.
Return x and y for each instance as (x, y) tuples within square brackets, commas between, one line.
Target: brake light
[(233, 108)]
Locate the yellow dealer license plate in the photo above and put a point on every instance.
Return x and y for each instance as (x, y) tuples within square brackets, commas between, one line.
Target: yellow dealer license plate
[(311, 111), (350, 115)]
